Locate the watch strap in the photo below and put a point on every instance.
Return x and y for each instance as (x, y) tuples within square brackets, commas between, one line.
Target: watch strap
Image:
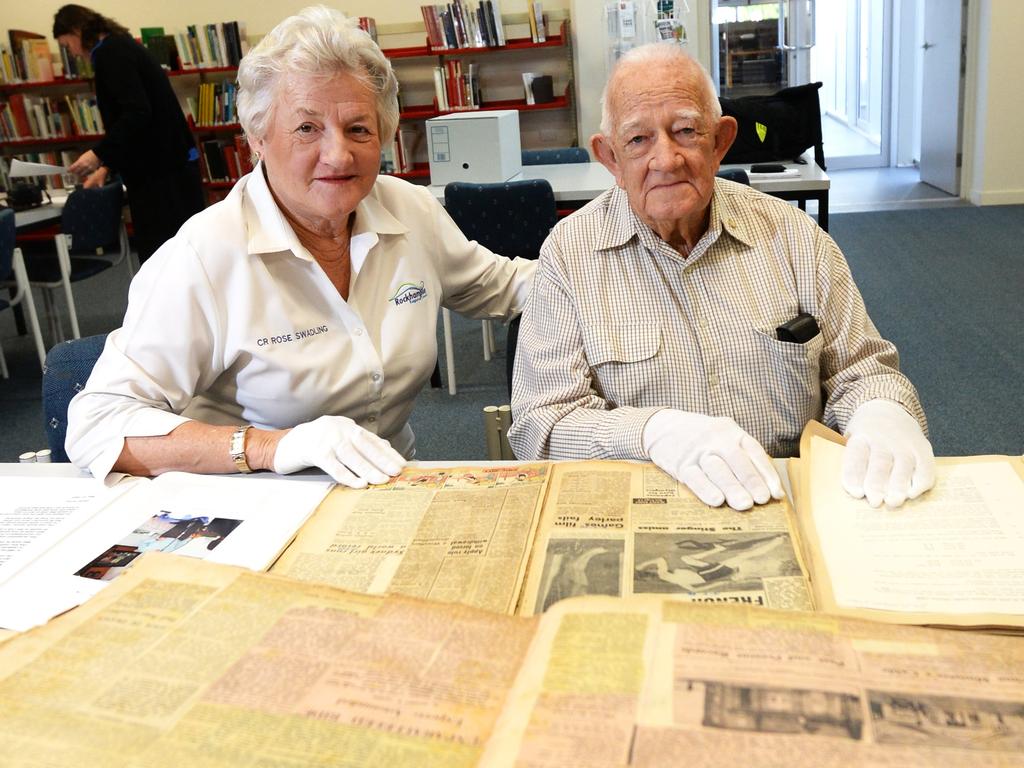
[(237, 449)]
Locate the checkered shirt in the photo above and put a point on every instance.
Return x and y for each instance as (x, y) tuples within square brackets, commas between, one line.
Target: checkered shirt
[(619, 325)]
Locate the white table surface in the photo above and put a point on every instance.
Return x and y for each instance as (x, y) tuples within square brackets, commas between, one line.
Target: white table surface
[(585, 181), (48, 212)]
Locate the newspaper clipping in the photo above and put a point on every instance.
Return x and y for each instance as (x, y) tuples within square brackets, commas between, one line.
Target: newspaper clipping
[(621, 529)]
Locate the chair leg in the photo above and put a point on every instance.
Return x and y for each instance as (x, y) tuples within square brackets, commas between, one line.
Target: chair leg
[(64, 259), (3, 365), (487, 340), (56, 331), (449, 349), (21, 275)]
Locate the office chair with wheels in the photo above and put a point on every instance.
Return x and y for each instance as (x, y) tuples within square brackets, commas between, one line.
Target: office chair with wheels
[(511, 218), (68, 366), (12, 272), (553, 156), (92, 239)]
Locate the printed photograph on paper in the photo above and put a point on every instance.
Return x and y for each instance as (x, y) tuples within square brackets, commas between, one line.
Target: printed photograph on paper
[(710, 562), (947, 721), (771, 709), (574, 567), (166, 532)]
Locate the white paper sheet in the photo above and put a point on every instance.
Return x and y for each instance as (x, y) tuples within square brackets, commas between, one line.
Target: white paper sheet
[(243, 521), (957, 549), (36, 512), (21, 168)]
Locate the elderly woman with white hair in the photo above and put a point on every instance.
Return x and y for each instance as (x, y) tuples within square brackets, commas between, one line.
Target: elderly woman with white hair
[(293, 323)]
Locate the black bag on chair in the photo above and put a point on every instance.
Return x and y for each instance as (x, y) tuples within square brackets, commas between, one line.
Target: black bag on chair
[(780, 126)]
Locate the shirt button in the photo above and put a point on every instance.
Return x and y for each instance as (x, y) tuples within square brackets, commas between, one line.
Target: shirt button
[(376, 377), (704, 323), (713, 380), (372, 419), (358, 331)]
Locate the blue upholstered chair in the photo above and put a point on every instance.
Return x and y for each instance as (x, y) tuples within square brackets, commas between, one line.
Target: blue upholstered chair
[(92, 239), (734, 174), (68, 366), (12, 272), (553, 156), (511, 218)]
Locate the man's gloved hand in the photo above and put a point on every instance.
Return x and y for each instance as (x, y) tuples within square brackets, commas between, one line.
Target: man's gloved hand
[(341, 448), (713, 457), (887, 456)]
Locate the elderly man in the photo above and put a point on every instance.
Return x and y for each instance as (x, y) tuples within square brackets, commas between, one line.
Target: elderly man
[(653, 329)]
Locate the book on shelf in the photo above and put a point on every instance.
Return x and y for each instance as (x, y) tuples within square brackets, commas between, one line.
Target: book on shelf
[(163, 48), (203, 46), (538, 22), (181, 662), (456, 86), (26, 116), (369, 25), (75, 67), (215, 104), (463, 25), (22, 40), (225, 160), (52, 182)]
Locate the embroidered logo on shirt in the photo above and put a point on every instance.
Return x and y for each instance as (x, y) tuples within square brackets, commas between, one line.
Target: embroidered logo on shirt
[(408, 293)]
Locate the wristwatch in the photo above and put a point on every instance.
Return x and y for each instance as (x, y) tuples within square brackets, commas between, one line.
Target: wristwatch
[(237, 449)]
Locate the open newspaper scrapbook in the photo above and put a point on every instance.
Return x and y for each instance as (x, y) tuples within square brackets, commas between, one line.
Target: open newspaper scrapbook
[(518, 538), (194, 663)]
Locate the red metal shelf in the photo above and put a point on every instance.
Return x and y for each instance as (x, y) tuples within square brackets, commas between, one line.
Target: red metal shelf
[(219, 184), (517, 44), (215, 128), (200, 71), (30, 85), (39, 142), (424, 111)]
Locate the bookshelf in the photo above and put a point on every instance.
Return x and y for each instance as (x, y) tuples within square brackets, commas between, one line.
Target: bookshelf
[(36, 121), (498, 82)]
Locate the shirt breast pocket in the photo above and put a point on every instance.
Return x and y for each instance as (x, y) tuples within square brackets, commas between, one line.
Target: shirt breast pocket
[(623, 361), (793, 384)]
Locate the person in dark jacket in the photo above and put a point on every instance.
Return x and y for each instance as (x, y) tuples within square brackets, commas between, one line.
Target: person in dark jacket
[(147, 139)]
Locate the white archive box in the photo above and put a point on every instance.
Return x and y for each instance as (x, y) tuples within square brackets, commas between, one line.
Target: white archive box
[(479, 147)]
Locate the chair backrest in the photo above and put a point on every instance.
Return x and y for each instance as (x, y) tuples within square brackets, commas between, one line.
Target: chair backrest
[(68, 366), (93, 217), (734, 174), (553, 156), (7, 235), (512, 218)]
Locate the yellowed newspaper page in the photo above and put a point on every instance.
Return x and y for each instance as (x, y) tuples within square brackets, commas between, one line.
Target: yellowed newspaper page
[(188, 663), (951, 557), (457, 534), (622, 528), (670, 683)]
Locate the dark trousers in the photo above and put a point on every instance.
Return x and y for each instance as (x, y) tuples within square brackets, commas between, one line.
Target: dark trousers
[(161, 202)]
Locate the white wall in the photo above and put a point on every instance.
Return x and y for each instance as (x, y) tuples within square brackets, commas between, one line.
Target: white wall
[(259, 17), (993, 169)]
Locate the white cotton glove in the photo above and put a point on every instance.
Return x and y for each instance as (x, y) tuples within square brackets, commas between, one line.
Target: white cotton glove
[(887, 456), (341, 448), (713, 457)]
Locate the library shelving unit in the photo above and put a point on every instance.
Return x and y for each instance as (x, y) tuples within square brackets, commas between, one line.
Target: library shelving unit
[(437, 57), (35, 144)]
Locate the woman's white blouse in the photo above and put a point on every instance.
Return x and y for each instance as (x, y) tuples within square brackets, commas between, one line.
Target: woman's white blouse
[(232, 321)]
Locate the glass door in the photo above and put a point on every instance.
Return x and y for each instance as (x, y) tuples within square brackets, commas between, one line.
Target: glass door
[(760, 46)]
